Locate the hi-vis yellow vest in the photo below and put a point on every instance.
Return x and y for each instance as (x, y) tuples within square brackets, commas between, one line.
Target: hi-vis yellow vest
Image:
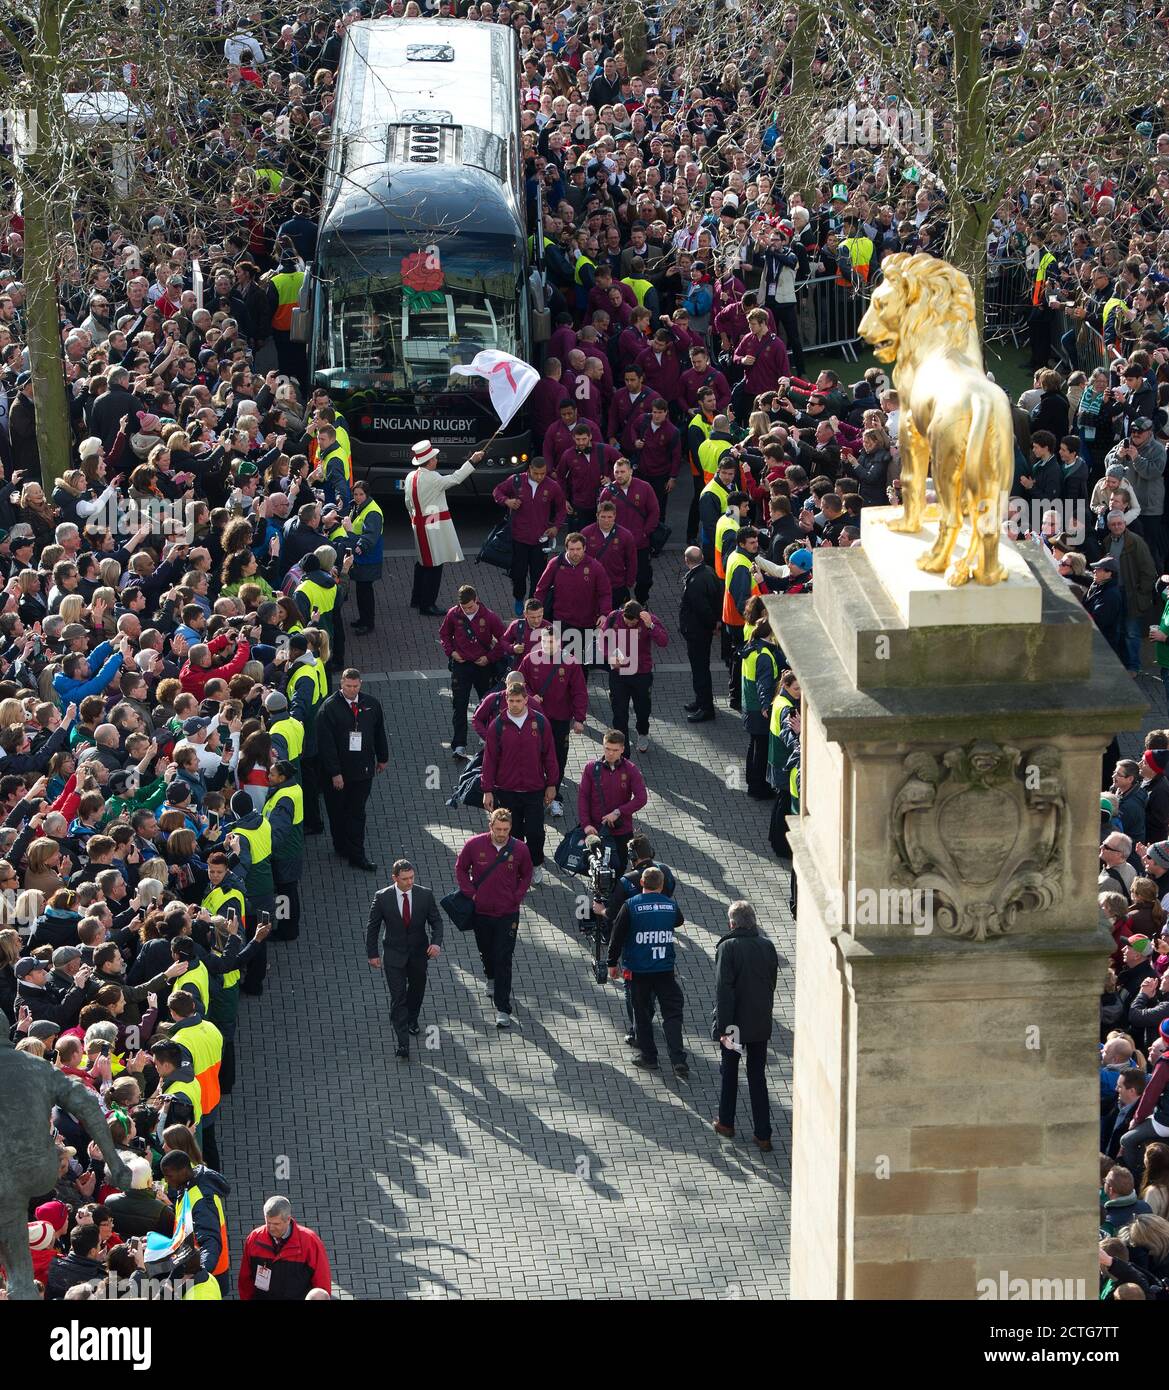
[(291, 792), (292, 732), (316, 673), (287, 285), (319, 597), (709, 453), (730, 522)]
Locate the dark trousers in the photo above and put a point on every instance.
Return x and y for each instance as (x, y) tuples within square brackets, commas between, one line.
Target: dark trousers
[(787, 318), (698, 655), (286, 926), (337, 660), (527, 819), (1039, 335), (291, 358), (622, 689), (346, 810), (227, 1067), (210, 1145), (662, 986), (257, 967), (756, 1087), (561, 732), (365, 603), (699, 481), (465, 677), (1133, 1145), (620, 597), (527, 565), (310, 777), (645, 576), (495, 937), (427, 580), (407, 985), (757, 764), (659, 486), (732, 649)]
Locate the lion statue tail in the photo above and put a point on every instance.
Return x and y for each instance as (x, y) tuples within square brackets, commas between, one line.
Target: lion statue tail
[(990, 461)]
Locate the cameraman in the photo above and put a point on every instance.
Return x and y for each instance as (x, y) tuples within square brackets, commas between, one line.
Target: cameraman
[(643, 936), (629, 884)]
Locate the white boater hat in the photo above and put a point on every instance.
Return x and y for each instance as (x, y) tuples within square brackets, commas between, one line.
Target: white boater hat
[(423, 452)]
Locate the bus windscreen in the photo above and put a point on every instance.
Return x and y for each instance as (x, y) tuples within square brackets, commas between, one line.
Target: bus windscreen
[(403, 311)]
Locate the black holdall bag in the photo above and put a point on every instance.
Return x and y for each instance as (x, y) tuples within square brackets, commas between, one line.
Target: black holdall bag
[(658, 537), (497, 548), (460, 908)]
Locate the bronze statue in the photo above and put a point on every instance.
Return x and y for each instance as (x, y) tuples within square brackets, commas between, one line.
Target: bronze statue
[(29, 1161), (955, 423)]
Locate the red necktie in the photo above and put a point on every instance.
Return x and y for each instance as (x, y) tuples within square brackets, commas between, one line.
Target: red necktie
[(406, 909), (355, 711)]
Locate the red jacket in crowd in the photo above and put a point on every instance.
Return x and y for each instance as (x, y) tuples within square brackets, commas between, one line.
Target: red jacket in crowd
[(194, 678)]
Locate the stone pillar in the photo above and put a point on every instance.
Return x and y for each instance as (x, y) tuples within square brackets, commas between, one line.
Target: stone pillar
[(950, 955)]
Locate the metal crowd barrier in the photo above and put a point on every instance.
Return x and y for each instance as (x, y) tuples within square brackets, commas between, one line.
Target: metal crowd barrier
[(829, 314), (1005, 304)]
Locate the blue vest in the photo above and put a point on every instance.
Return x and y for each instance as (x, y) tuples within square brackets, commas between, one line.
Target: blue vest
[(649, 940)]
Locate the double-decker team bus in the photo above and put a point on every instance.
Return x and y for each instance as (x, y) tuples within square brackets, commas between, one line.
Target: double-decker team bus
[(422, 258)]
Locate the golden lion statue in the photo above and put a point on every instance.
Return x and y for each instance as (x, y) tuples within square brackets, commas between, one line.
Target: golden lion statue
[(952, 417)]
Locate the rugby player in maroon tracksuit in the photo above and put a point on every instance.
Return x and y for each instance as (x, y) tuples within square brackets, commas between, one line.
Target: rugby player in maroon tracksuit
[(497, 887)]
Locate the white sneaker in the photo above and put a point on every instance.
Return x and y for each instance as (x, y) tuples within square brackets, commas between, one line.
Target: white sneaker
[(643, 745), (539, 876), (502, 1020), (557, 809), (459, 752)]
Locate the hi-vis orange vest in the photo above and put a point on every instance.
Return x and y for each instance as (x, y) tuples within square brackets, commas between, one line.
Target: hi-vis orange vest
[(1046, 261), (860, 253), (731, 614), (287, 285)]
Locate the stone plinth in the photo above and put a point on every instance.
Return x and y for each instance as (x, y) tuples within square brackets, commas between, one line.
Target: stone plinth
[(927, 600), (949, 951)]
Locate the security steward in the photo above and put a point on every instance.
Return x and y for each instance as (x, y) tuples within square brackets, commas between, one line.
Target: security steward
[(740, 585), (643, 937), (353, 749), (284, 289), (305, 689), (698, 618), (366, 527), (697, 433), (249, 843), (284, 812), (713, 504), (205, 1190), (760, 679), (286, 732), (335, 464)]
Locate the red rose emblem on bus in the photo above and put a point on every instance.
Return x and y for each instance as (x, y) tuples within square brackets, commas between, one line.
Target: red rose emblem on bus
[(422, 280)]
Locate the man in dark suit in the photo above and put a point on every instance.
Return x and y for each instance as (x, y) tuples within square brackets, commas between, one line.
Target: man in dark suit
[(698, 618), (352, 747), (398, 920)]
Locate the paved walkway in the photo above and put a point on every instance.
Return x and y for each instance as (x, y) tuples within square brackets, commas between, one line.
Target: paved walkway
[(539, 1163)]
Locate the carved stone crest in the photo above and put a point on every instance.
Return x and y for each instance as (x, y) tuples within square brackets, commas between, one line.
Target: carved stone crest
[(981, 829)]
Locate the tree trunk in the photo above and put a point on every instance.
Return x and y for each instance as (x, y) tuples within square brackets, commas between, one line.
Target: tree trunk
[(801, 146), (973, 196), (631, 29), (54, 436)]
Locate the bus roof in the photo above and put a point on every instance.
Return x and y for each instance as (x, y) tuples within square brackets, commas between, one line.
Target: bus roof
[(443, 71)]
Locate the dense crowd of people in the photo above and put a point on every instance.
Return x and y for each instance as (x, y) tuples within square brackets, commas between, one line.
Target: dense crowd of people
[(175, 590)]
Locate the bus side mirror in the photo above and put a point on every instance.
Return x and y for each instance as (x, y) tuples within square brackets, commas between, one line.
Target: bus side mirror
[(300, 330), (541, 325)]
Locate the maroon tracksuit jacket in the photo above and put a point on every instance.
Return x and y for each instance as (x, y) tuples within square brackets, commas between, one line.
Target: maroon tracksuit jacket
[(496, 703), (637, 509), (559, 684), (604, 789), (583, 592), (580, 474), (660, 455), (503, 892), (692, 383), (537, 511), (474, 637), (519, 759), (558, 440), (617, 552), (623, 410)]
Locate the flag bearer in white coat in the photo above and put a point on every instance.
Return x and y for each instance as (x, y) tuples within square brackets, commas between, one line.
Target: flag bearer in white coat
[(436, 542)]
